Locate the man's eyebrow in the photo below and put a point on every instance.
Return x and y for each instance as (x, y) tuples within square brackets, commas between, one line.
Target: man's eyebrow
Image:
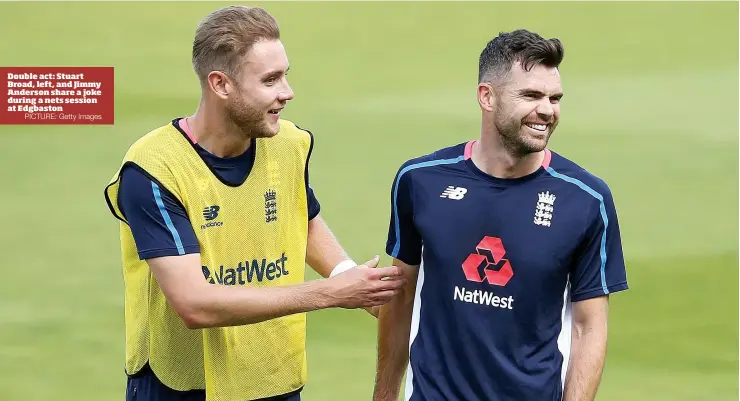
[(529, 91), (275, 72)]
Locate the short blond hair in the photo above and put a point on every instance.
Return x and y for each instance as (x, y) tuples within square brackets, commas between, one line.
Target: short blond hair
[(225, 36)]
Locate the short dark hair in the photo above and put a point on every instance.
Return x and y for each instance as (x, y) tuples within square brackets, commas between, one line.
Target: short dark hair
[(520, 45)]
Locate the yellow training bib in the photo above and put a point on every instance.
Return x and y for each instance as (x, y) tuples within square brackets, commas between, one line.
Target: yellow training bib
[(251, 235)]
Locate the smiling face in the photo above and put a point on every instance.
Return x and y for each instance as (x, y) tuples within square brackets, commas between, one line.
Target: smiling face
[(526, 108), (261, 91), (519, 89), (242, 65)]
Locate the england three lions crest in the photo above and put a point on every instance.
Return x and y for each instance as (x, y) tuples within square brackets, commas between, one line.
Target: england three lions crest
[(545, 208), (270, 206)]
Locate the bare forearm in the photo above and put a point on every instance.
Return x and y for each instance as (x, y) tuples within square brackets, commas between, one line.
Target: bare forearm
[(323, 251), (200, 304), (221, 306), (237, 307), (393, 349), (586, 364)]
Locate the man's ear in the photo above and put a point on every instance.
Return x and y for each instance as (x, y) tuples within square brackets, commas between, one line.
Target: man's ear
[(486, 97), (220, 84)]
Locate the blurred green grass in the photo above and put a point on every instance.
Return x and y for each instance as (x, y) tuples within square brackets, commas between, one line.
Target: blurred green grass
[(651, 106)]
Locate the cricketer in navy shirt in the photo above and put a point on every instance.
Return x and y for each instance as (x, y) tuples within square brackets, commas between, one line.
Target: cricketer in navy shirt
[(499, 258), (501, 264), (138, 204)]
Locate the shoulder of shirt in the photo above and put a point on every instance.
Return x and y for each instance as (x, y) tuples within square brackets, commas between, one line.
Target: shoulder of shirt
[(444, 156), (150, 143), (568, 168), (290, 130)]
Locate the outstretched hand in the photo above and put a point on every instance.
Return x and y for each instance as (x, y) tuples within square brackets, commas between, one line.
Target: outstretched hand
[(367, 286)]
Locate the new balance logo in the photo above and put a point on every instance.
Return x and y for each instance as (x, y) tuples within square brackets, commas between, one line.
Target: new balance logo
[(455, 193), (211, 212)]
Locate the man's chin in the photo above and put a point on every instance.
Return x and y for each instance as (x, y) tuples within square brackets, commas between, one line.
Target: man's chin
[(537, 142), (539, 145), (533, 145), (272, 129), (267, 130)]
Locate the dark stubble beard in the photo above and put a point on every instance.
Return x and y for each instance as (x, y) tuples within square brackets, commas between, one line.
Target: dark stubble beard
[(248, 119), (513, 139)]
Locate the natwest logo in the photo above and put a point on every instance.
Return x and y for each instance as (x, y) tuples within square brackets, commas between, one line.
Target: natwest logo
[(247, 271), (483, 298), (480, 266)]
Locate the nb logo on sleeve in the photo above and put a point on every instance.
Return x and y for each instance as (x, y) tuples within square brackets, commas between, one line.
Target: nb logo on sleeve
[(455, 193)]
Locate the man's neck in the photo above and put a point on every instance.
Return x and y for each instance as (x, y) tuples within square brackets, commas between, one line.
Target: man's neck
[(217, 134), (491, 156)]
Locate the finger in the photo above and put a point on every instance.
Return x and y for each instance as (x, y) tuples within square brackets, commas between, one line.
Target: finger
[(377, 302), (394, 284), (382, 272), (387, 295), (372, 263), (382, 299)]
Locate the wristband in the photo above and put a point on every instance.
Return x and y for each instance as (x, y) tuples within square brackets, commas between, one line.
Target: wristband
[(343, 267)]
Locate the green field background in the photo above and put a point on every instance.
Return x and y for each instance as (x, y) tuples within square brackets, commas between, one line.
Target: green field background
[(651, 106)]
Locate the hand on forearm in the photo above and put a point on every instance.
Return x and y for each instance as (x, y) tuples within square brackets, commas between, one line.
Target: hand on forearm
[(361, 287), (324, 253), (201, 304)]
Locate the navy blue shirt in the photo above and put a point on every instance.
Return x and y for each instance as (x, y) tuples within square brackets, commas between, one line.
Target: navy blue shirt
[(500, 259), (147, 206)]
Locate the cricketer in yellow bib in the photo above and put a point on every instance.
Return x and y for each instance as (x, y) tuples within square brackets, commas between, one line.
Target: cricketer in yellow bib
[(217, 225), (254, 234)]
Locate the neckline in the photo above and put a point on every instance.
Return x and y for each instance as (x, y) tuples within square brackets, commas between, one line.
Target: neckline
[(177, 123), (468, 161), (185, 127)]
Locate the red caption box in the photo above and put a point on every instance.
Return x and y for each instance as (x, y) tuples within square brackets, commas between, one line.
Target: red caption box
[(56, 95)]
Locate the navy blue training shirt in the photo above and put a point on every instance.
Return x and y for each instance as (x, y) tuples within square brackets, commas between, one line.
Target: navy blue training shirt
[(499, 261), (138, 201)]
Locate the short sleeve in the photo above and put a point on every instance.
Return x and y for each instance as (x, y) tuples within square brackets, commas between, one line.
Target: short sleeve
[(599, 268), (158, 221), (314, 207), (404, 241)]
